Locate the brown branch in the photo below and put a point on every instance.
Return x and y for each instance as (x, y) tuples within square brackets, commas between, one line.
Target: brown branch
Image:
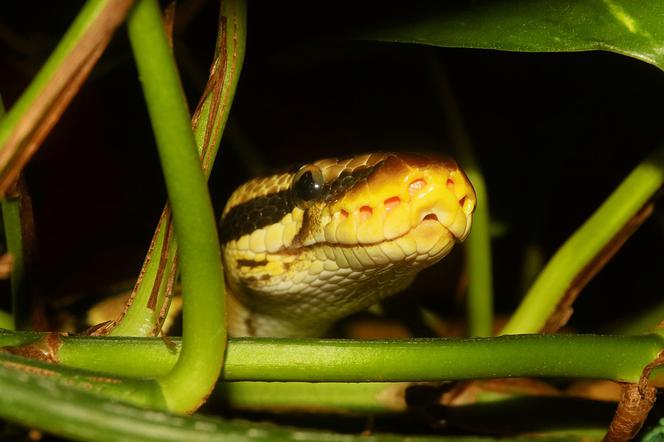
[(169, 20), (636, 402)]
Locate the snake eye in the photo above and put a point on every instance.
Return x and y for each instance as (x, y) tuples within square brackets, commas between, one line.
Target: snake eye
[(307, 185)]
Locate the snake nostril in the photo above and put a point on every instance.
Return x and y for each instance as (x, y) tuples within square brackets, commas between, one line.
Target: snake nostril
[(416, 186), (365, 213), (343, 214), (392, 203), (462, 201)]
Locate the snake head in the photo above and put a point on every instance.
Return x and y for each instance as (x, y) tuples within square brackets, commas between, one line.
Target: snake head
[(305, 248)]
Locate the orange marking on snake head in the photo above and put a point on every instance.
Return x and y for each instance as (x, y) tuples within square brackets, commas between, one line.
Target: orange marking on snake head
[(392, 203), (365, 213)]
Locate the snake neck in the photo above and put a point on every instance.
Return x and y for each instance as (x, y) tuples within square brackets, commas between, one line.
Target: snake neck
[(255, 316), (245, 322)]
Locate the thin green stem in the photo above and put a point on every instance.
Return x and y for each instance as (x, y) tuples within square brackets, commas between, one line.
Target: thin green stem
[(478, 244), (620, 358), (142, 315), (478, 257), (19, 232), (204, 332), (11, 218), (212, 114), (586, 243), (7, 319)]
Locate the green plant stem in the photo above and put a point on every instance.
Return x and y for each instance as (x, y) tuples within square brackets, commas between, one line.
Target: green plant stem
[(11, 218), (478, 244), (8, 209), (204, 333), (321, 397), (142, 315), (19, 237), (619, 358), (229, 58), (480, 286), (586, 243)]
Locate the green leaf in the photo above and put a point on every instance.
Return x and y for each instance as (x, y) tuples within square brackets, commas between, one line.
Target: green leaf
[(629, 27), (656, 434)]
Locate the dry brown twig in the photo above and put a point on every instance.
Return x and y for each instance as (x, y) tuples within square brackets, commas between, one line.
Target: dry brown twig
[(636, 402)]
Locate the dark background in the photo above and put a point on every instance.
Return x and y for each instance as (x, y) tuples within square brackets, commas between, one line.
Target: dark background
[(554, 133)]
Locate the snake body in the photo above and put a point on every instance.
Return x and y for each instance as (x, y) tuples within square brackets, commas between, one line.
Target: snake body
[(304, 248)]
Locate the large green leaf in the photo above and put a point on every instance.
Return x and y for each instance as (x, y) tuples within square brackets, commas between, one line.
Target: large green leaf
[(630, 27)]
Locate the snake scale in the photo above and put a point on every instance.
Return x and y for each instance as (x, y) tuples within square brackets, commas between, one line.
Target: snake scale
[(304, 248)]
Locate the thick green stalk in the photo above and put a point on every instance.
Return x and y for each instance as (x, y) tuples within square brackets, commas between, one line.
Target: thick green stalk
[(204, 332), (586, 243), (142, 315), (620, 358)]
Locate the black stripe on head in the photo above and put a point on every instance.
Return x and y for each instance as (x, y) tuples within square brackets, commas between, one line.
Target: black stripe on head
[(346, 180), (255, 214), (269, 209)]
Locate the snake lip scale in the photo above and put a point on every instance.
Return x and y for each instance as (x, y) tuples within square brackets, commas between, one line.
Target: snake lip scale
[(302, 249)]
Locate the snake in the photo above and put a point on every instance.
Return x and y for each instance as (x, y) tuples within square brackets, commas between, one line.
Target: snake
[(306, 247)]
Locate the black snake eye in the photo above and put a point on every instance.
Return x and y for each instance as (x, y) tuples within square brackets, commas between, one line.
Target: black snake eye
[(307, 186)]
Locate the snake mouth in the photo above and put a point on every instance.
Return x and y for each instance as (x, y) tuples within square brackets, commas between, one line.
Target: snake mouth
[(456, 222), (430, 217)]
